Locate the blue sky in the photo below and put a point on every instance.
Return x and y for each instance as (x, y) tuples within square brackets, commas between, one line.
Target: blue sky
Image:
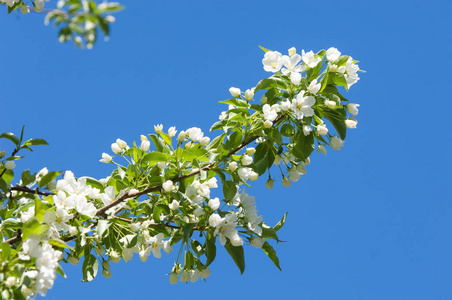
[(372, 221)]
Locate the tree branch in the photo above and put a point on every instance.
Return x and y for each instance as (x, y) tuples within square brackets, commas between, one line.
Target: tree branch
[(30, 191)]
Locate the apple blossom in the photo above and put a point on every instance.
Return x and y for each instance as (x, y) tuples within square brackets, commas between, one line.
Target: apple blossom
[(336, 143), (352, 108), (232, 166), (269, 184), (9, 165), (168, 186), (106, 158), (257, 242), (286, 182), (310, 59), (158, 128), (115, 148), (249, 94), (302, 105), (351, 123), (314, 87), (321, 129), (269, 113), (246, 160), (295, 78), (268, 124), (235, 92), (330, 104), (172, 131), (332, 54), (272, 61), (307, 130), (322, 149), (204, 141)]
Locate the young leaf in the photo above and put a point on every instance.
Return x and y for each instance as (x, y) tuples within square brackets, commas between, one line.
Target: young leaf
[(271, 253), (237, 255)]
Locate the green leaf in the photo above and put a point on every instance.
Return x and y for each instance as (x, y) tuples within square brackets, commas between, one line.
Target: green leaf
[(10, 136), (27, 178), (268, 232), (287, 130), (165, 137), (5, 251), (271, 253), (211, 249), (272, 82), (264, 49), (337, 118), (3, 186), (236, 102), (154, 157), (158, 210), (94, 183), (274, 134), (59, 243), (90, 267), (313, 73), (280, 224), (35, 142), (187, 230), (229, 190), (33, 226), (48, 178), (237, 255), (8, 176), (304, 145), (261, 165), (157, 142), (234, 140), (11, 224), (39, 209)]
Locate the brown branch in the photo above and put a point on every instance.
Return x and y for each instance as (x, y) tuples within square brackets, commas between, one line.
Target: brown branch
[(30, 191)]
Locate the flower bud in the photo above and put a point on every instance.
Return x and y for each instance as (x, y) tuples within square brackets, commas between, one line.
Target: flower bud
[(301, 169), (269, 184), (232, 166), (168, 186), (121, 144), (181, 136), (333, 68), (351, 123), (321, 129), (235, 92), (253, 176), (106, 273), (294, 175), (172, 131), (257, 242), (307, 130), (332, 54), (115, 148), (352, 108), (161, 165), (322, 149), (73, 260), (9, 165), (173, 278), (106, 158), (214, 203), (158, 128), (145, 145), (268, 124), (204, 273), (73, 230), (250, 151), (204, 141), (174, 205), (292, 51), (286, 182), (264, 100), (330, 104), (24, 9), (10, 281), (246, 160), (249, 95)]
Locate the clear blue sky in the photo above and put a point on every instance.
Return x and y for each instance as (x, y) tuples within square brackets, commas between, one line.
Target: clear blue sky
[(373, 221)]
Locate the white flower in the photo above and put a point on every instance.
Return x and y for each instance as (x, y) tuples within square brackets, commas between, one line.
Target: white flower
[(172, 131), (321, 129), (9, 165), (249, 94), (106, 158), (333, 68), (24, 9), (115, 148), (336, 143), (232, 166), (330, 104), (156, 243), (352, 108), (322, 149), (291, 64), (173, 278), (214, 203), (158, 127), (314, 87), (269, 184), (73, 230), (235, 92), (351, 123), (247, 173), (121, 144), (246, 160), (268, 124), (351, 72), (195, 134), (257, 242), (307, 130), (250, 150), (145, 145), (272, 61), (204, 273), (310, 59), (168, 186), (295, 78), (10, 281), (332, 54), (39, 5), (294, 175), (301, 105), (204, 141), (292, 51), (269, 113), (301, 169), (222, 116), (286, 182), (254, 176), (181, 136)]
